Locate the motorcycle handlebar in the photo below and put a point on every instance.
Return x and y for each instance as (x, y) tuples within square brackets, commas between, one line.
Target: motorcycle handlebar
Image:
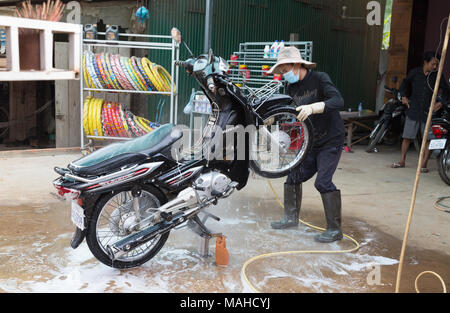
[(186, 65), (180, 63), (222, 80)]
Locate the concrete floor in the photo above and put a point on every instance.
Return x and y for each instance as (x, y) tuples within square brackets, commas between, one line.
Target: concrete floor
[(35, 233)]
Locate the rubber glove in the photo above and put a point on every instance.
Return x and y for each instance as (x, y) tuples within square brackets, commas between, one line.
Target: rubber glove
[(307, 110)]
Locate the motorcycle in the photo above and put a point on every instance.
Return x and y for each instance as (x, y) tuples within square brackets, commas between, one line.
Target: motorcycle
[(391, 121), (126, 197), (441, 131)]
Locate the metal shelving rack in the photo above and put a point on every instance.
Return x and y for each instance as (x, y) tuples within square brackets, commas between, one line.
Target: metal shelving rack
[(155, 42), (251, 54)]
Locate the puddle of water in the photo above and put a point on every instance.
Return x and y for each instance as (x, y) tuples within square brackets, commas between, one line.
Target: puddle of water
[(35, 256)]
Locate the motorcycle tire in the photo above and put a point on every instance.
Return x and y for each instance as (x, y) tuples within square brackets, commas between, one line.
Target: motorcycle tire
[(100, 252), (444, 165), (376, 138), (306, 127)]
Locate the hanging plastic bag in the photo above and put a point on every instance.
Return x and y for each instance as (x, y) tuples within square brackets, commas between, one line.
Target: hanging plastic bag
[(190, 105)]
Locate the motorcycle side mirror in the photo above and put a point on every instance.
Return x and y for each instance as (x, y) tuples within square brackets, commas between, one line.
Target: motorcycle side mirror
[(394, 79), (176, 35)]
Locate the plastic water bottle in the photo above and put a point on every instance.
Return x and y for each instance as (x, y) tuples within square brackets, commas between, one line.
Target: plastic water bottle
[(360, 108), (280, 47), (273, 49), (266, 52)]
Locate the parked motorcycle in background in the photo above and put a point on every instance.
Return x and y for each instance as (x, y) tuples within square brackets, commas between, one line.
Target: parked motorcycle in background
[(441, 131), (389, 127)]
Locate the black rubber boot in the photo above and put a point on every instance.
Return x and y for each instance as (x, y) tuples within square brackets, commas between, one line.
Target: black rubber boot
[(333, 206), (292, 205)]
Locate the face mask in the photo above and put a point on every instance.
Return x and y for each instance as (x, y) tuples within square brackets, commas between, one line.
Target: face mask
[(291, 78)]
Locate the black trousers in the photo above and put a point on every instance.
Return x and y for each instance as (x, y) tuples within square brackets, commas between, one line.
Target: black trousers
[(321, 161)]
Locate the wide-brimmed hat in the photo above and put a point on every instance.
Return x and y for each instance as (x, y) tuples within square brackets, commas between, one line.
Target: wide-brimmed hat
[(289, 55)]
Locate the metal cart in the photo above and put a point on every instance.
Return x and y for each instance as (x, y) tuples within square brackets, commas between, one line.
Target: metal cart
[(251, 54)]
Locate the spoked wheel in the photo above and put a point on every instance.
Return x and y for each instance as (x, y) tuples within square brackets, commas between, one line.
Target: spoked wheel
[(376, 136), (281, 145), (115, 218), (444, 165)]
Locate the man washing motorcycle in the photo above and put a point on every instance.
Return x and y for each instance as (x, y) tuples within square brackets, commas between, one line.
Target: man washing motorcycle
[(319, 100)]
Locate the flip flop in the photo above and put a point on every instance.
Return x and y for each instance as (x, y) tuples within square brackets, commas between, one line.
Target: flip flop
[(397, 165)]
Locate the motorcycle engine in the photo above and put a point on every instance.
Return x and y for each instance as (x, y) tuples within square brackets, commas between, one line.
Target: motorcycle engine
[(213, 183)]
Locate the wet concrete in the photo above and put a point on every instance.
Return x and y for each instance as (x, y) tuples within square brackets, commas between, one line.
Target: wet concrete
[(35, 234), (35, 256)]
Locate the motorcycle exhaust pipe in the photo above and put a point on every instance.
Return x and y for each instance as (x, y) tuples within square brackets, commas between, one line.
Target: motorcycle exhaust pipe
[(132, 241), (187, 197), (122, 247)]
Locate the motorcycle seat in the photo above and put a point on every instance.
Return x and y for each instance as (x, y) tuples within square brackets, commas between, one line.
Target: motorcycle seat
[(117, 155)]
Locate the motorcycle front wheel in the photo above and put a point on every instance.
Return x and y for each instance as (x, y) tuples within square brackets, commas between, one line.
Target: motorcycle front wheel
[(111, 221), (377, 136), (281, 144)]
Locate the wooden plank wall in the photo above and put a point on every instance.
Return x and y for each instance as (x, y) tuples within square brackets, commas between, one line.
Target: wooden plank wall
[(399, 42), (67, 103), (22, 103)]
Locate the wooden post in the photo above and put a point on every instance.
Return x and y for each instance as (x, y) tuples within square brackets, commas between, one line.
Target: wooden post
[(399, 42), (67, 102), (46, 46), (422, 152), (12, 49)]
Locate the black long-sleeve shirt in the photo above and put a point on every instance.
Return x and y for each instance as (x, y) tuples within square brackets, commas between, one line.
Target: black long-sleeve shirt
[(329, 128), (419, 91)]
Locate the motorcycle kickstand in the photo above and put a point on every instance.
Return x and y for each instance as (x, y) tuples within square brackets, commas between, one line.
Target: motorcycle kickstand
[(198, 226)]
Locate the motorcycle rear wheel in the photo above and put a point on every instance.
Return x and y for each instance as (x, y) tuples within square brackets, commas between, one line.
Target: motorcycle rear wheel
[(444, 165), (294, 135), (107, 225)]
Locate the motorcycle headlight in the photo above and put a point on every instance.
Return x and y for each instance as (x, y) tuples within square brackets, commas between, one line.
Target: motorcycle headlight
[(200, 64), (223, 65)]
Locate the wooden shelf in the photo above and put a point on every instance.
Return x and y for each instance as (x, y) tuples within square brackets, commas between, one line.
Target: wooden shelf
[(37, 75), (46, 30)]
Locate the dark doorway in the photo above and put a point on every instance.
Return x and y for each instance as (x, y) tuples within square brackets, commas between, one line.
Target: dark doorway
[(418, 33)]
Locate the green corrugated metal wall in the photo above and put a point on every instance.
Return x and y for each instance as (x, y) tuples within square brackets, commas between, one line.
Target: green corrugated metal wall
[(347, 49)]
